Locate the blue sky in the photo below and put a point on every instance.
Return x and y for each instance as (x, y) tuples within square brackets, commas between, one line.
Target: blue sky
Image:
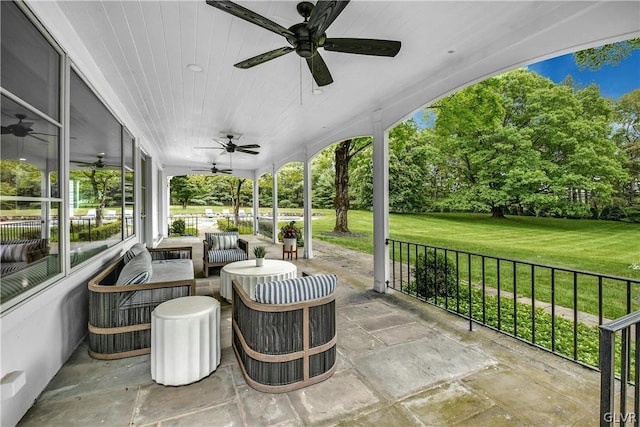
[(614, 81)]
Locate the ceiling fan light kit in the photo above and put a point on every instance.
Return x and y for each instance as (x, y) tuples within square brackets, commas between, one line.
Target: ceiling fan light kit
[(306, 37)]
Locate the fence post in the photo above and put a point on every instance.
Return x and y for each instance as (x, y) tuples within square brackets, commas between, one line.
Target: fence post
[(607, 378)]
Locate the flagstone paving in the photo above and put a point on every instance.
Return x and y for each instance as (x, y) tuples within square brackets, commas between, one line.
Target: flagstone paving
[(400, 362)]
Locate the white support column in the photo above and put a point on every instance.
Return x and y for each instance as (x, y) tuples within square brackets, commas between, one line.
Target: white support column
[(380, 204), (256, 202), (274, 195), (308, 212)]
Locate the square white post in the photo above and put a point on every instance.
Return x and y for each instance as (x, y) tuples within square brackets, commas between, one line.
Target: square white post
[(380, 204)]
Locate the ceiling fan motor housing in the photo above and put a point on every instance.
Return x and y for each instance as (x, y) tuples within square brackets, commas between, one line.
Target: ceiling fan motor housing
[(304, 44)]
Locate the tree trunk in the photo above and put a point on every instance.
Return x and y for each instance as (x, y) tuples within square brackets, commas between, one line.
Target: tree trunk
[(496, 212), (235, 199), (341, 201)]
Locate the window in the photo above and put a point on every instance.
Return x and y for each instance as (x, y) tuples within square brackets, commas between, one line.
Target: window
[(30, 198), (96, 211)]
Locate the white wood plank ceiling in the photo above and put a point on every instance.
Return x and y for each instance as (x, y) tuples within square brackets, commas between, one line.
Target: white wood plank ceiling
[(136, 54)]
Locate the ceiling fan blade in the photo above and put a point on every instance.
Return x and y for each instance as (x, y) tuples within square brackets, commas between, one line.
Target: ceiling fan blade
[(319, 70), (201, 170), (224, 171), (208, 148), (33, 135), (264, 57), (248, 146), (324, 14), (81, 163), (5, 129), (250, 16), (363, 46), (242, 150)]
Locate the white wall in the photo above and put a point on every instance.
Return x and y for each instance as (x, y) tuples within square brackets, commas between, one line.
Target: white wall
[(39, 335)]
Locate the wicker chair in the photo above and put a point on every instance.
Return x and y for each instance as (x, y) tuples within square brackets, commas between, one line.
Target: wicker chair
[(120, 316), (216, 256), (283, 347)]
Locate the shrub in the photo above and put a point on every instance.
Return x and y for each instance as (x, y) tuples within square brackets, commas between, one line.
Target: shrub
[(178, 227), (434, 275), (98, 233)]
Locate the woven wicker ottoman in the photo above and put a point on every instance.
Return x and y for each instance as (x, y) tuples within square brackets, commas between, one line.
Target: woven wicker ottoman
[(185, 340)]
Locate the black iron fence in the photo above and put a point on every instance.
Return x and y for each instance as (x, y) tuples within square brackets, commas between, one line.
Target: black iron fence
[(20, 230), (80, 229), (619, 382), (554, 308), (192, 225)]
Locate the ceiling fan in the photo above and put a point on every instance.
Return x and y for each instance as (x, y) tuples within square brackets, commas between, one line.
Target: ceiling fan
[(306, 37), (214, 170), (231, 147), (98, 164), (23, 129)]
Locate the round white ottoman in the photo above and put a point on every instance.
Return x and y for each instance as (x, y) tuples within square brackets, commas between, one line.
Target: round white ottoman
[(185, 340)]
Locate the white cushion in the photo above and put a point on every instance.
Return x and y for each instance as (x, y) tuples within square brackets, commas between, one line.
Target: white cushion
[(136, 271)]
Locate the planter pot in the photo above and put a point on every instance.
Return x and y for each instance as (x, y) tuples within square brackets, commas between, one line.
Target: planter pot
[(259, 262), (290, 244)]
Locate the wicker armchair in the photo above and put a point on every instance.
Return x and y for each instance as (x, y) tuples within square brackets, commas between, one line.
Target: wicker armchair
[(120, 315), (223, 248), (283, 347)]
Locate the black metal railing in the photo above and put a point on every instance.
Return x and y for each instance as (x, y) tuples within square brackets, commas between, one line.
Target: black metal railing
[(20, 230), (183, 225), (554, 308), (620, 371)]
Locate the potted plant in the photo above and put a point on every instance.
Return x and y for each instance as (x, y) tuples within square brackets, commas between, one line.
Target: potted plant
[(260, 252), (290, 234)]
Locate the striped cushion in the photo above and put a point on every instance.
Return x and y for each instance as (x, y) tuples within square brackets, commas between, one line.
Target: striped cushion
[(133, 252), (227, 255), (227, 242), (23, 250), (213, 239), (136, 271), (296, 290)]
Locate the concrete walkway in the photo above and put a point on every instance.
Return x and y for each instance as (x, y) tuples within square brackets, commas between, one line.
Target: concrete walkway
[(400, 363)]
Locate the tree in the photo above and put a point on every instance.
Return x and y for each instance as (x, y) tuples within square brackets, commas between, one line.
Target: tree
[(291, 185), (344, 152), (323, 179), (182, 190), (608, 54), (627, 136), (102, 182), (410, 156), (234, 186), (519, 141)]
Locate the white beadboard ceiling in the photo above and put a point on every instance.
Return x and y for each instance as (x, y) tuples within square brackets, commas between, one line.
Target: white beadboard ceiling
[(135, 53)]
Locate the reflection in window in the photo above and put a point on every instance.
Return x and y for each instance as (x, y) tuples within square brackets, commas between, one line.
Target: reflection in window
[(30, 65), (95, 175), (30, 165)]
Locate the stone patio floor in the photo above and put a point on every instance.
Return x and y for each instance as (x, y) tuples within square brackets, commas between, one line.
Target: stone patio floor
[(400, 363)]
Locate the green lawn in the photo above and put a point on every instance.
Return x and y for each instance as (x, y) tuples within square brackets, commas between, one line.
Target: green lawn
[(597, 246), (600, 246)]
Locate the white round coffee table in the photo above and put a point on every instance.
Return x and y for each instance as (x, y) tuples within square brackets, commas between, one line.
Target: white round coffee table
[(248, 275)]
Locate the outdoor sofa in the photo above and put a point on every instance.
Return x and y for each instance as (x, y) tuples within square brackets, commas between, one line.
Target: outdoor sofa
[(123, 295)]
